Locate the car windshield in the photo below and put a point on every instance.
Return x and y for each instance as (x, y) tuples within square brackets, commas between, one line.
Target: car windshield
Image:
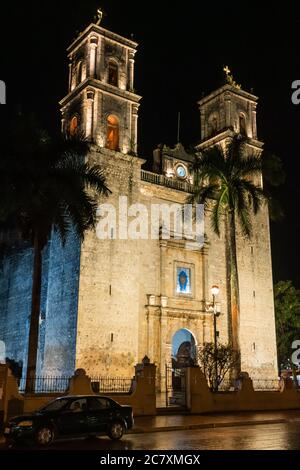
[(55, 405)]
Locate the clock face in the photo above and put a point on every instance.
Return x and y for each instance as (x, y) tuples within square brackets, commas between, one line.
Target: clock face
[(181, 171)]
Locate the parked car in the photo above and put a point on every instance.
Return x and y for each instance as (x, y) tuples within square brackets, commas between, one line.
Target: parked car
[(69, 417)]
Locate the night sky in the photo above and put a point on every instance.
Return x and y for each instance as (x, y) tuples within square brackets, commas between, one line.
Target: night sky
[(183, 47)]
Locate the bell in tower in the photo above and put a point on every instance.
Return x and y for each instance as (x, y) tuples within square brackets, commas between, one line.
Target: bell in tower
[(101, 102)]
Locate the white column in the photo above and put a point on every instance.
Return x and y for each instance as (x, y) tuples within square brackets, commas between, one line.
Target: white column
[(134, 128), (254, 129), (89, 113), (131, 70), (95, 116), (100, 127), (70, 75), (163, 341), (203, 124), (63, 122), (99, 56), (227, 111), (93, 51), (102, 60)]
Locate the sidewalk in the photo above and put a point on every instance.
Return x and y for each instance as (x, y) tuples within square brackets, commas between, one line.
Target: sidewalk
[(186, 422)]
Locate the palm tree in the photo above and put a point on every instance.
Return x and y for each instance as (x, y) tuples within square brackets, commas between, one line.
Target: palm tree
[(45, 185), (224, 180), (274, 176)]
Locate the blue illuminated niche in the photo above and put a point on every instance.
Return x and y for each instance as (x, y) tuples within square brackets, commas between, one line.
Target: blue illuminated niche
[(183, 281)]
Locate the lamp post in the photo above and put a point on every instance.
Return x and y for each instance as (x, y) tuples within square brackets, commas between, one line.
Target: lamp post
[(215, 291)]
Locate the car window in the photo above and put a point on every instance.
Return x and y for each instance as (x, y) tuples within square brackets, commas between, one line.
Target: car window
[(55, 405), (96, 403), (79, 404)]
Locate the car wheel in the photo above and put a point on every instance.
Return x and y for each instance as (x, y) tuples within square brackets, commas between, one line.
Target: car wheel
[(10, 444), (116, 430), (45, 436)]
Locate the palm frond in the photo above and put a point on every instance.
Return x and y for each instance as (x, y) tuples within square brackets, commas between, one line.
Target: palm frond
[(244, 218), (234, 151), (249, 166), (46, 183), (204, 194), (218, 209), (256, 194)]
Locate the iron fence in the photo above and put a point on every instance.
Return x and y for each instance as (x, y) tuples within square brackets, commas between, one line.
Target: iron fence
[(112, 384), (51, 384), (228, 385), (265, 384), (46, 384)]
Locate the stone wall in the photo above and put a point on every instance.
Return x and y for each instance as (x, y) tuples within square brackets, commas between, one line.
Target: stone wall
[(109, 289), (117, 322), (257, 320), (201, 400), (15, 302), (58, 316), (142, 398), (61, 307)]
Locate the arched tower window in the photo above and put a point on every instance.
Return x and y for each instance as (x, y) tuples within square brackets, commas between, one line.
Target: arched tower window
[(79, 72), (73, 125), (112, 138), (243, 128), (213, 124), (113, 74)]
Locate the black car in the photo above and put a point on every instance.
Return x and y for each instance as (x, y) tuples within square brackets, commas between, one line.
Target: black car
[(71, 416)]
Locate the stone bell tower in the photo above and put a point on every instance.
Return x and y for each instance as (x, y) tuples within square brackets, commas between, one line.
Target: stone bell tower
[(227, 111), (101, 101)]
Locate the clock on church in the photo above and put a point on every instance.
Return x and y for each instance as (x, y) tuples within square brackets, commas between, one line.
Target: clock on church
[(181, 171)]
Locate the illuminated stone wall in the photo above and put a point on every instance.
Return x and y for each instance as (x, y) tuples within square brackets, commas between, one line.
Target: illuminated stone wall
[(128, 306), (58, 305), (15, 302), (106, 305)]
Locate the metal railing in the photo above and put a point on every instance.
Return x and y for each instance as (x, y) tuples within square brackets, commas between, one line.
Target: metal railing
[(162, 180), (111, 384), (51, 384), (266, 384), (46, 384)]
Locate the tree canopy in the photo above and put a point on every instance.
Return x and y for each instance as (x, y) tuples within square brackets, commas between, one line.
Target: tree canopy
[(287, 314)]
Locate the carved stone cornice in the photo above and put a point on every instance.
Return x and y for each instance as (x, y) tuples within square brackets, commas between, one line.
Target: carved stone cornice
[(169, 312)]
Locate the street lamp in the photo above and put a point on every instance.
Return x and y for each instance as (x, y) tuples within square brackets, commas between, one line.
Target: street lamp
[(215, 291)]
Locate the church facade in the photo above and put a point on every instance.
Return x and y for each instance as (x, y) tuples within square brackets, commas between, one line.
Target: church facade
[(110, 301)]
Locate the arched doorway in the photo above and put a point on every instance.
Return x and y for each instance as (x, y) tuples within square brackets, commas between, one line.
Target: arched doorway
[(183, 356), (112, 138), (113, 74), (73, 125), (243, 127), (183, 349)]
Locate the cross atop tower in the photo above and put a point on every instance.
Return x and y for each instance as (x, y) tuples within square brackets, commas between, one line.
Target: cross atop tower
[(99, 16), (229, 78), (226, 69)]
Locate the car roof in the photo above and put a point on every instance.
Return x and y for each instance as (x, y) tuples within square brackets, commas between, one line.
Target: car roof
[(83, 396)]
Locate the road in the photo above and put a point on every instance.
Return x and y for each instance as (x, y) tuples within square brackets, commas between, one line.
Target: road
[(283, 436)]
